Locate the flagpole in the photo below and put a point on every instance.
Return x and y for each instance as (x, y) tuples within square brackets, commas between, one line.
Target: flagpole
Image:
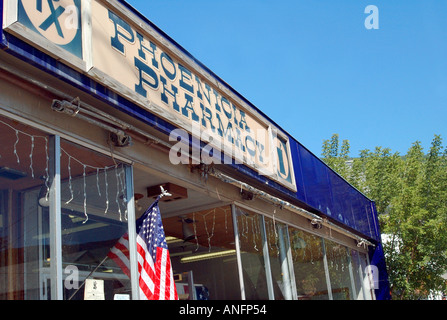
[(83, 283)]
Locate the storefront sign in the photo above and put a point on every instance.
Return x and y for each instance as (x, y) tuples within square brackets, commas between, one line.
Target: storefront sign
[(55, 27), (129, 57), (59, 22)]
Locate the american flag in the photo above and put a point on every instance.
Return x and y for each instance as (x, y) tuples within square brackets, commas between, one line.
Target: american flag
[(156, 279)]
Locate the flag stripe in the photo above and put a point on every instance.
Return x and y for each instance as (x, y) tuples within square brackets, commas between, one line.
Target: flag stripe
[(121, 261), (120, 254), (145, 270)]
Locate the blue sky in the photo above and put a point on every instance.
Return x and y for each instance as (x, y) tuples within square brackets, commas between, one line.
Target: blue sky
[(314, 69)]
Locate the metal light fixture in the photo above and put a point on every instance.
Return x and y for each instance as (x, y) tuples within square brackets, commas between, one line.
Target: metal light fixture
[(120, 139), (43, 197), (188, 234), (317, 223), (207, 256), (247, 195), (73, 108)]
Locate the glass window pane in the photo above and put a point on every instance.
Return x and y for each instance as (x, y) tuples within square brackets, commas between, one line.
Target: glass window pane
[(94, 218), (338, 267), (203, 254), (367, 281), (307, 256), (278, 248), (358, 275), (24, 226), (253, 264)]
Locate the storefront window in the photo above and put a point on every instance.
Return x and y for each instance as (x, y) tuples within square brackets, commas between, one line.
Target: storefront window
[(251, 242), (308, 264), (338, 268), (278, 248), (94, 218), (358, 275), (367, 281), (203, 255), (24, 223), (277, 261)]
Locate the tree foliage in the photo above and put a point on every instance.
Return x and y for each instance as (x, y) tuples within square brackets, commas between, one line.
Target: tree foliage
[(410, 192)]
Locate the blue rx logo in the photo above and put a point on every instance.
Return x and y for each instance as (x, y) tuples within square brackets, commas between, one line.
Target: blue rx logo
[(56, 20), (53, 18)]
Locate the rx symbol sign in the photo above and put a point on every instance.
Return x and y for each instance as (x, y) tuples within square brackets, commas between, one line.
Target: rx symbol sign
[(59, 21), (53, 18)]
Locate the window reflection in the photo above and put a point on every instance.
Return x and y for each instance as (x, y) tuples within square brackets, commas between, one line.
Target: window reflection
[(338, 268), (202, 244), (253, 264), (357, 272), (24, 226), (94, 218), (367, 283), (307, 256), (278, 248), (203, 256)]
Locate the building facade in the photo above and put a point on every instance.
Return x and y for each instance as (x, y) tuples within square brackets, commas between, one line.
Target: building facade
[(99, 109)]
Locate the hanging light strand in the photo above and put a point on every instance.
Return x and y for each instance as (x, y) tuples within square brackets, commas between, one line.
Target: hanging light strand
[(120, 174), (195, 230), (70, 185), (284, 204), (120, 185), (32, 138), (85, 196), (209, 234), (15, 145)]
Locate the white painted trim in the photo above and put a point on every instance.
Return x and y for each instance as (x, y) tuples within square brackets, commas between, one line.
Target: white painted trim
[(10, 12)]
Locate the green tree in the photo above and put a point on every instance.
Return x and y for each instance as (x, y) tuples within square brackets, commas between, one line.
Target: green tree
[(410, 193), (376, 174), (335, 156)]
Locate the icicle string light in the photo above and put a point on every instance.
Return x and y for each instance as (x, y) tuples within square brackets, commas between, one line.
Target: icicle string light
[(31, 157), (208, 233), (31, 166), (33, 138), (15, 145), (120, 185), (122, 177), (195, 230), (97, 182), (70, 185), (85, 196), (107, 191), (123, 191), (117, 174), (120, 174), (243, 226), (284, 204), (254, 232), (47, 170), (227, 211), (117, 193), (270, 232)]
